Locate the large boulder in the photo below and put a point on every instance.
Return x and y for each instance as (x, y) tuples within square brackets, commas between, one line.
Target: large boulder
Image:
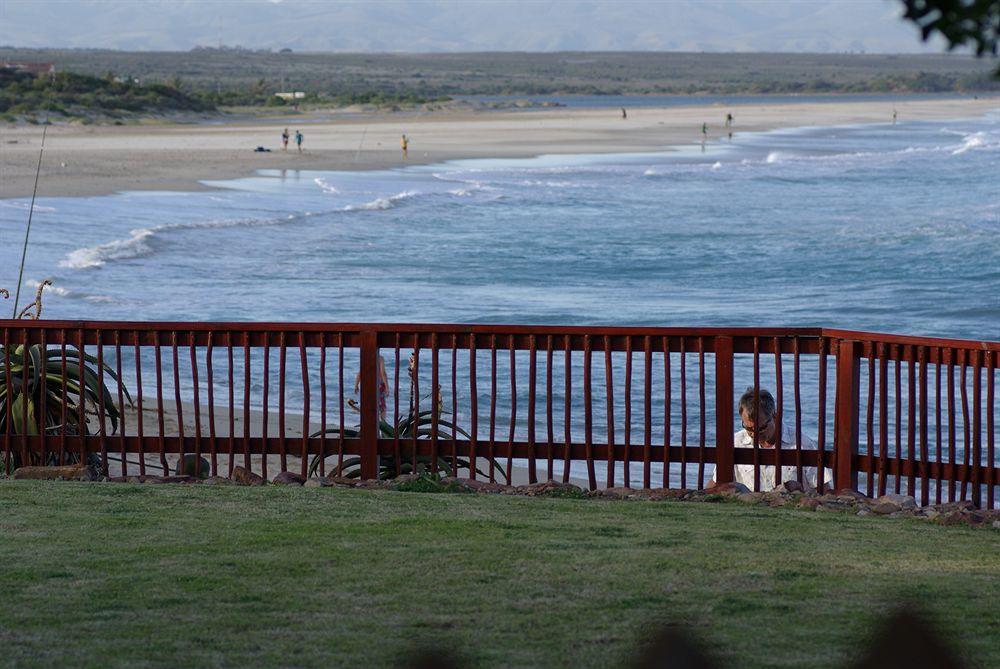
[(288, 478), (243, 476), (186, 466)]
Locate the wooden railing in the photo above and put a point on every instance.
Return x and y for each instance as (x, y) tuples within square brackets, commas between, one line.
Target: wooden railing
[(640, 407)]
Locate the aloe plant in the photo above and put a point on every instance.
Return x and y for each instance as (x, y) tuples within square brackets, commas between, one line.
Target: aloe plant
[(422, 426), (23, 385)]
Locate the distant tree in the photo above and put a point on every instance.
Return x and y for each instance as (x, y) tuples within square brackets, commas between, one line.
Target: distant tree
[(960, 22)]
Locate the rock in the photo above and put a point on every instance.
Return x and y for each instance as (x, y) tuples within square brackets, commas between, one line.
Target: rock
[(186, 467), (903, 502), (375, 484), (809, 503), (848, 495), (728, 489), (551, 489), (751, 497), (343, 481), (288, 478), (243, 476), (864, 512), (775, 499), (954, 506), (929, 513), (315, 482), (63, 473), (996, 524), (885, 508), (789, 487), (951, 518)]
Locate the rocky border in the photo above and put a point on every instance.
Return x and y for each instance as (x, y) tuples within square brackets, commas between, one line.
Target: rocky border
[(790, 494)]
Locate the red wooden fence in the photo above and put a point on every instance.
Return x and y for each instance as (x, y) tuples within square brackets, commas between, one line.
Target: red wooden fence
[(640, 407)]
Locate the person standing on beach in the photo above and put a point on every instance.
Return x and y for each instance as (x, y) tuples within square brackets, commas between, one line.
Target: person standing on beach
[(624, 114), (298, 140), (404, 144), (729, 120), (894, 117), (284, 140), (704, 131)]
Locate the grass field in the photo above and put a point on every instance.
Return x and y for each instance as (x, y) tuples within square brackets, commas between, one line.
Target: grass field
[(119, 575)]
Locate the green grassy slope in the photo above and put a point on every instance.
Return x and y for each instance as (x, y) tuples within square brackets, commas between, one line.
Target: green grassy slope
[(119, 575)]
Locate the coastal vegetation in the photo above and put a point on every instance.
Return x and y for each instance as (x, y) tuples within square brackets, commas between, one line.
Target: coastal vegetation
[(330, 576), (206, 80)]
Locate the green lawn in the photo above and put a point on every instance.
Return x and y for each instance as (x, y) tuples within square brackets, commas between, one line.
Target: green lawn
[(120, 575)]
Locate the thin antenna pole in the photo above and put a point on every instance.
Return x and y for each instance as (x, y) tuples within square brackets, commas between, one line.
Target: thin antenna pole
[(31, 210)]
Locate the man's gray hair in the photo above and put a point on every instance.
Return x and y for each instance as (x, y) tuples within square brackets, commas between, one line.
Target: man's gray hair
[(767, 407)]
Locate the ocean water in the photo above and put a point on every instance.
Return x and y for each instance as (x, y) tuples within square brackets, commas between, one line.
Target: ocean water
[(892, 228), (875, 227)]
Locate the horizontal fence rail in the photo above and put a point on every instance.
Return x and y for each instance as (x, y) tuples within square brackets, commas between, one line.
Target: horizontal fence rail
[(599, 406)]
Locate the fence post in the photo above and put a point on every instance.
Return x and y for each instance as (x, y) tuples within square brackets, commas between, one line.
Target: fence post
[(847, 412), (724, 410), (369, 404)]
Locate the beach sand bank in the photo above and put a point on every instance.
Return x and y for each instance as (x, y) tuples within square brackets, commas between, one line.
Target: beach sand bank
[(94, 160)]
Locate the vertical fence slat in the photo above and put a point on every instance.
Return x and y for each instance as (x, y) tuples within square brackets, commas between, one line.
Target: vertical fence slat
[(821, 433), (231, 378), (246, 401), (43, 414), (797, 390), (304, 464), (647, 408), (513, 411), (532, 372), (177, 397), (963, 361), (265, 404), (341, 400), (121, 401), (549, 425), (949, 359), (938, 443), (990, 430), (101, 408), (323, 402), (210, 383), (139, 418), (197, 411), (454, 404), (627, 462), (977, 442), (911, 420), (667, 383), (925, 480), (870, 418), (780, 415), (473, 407), (898, 354), (684, 422), (493, 408), (435, 401), (567, 407), (396, 450), (82, 405), (701, 413), (415, 399), (369, 405), (25, 364), (588, 414), (282, 386), (883, 418), (609, 398)]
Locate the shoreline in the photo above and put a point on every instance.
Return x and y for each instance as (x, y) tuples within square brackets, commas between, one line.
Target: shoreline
[(83, 161)]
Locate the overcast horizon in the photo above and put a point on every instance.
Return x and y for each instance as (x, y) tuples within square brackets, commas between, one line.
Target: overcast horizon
[(442, 26)]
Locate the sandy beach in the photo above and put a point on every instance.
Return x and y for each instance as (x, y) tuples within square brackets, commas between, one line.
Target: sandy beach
[(99, 159)]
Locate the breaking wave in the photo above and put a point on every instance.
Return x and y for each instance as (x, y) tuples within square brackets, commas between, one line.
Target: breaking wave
[(382, 202)]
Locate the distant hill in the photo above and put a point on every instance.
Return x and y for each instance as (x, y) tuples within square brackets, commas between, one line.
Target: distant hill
[(870, 26)]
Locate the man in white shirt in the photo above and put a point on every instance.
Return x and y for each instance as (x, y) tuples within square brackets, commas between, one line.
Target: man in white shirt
[(771, 433)]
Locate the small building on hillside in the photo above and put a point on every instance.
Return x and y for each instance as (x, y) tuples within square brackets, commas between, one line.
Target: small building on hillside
[(38, 69), (297, 95)]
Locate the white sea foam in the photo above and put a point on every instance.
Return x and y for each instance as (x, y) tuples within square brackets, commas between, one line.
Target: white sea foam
[(25, 206), (976, 140), (326, 185), (138, 242), (717, 166), (382, 202)]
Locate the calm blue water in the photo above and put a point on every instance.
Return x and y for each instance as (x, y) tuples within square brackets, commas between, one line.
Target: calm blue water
[(876, 227)]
